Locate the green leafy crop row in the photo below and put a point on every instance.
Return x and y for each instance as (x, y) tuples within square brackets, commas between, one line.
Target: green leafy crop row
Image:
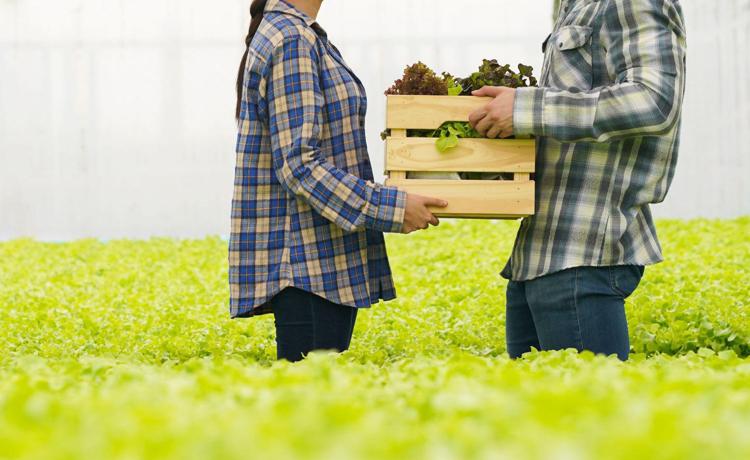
[(124, 349), (557, 405)]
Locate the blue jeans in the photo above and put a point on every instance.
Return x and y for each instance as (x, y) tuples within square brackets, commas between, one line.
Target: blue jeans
[(581, 308), (306, 322)]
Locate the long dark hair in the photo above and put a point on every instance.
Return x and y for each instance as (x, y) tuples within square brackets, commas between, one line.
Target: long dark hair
[(256, 12)]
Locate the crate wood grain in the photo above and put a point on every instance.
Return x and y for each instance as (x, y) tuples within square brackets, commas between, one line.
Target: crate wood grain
[(482, 199)]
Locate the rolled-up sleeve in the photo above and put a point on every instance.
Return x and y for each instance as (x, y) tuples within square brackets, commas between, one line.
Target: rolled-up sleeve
[(295, 103)]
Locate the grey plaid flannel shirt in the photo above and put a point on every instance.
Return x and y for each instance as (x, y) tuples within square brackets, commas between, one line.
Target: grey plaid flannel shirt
[(607, 119)]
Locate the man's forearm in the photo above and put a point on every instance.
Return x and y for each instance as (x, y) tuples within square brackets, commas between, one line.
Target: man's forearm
[(618, 111)]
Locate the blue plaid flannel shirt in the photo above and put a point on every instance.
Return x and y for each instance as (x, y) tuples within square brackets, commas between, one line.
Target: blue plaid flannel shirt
[(306, 212)]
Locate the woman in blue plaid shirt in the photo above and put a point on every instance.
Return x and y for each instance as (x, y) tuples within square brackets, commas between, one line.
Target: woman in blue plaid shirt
[(307, 219)]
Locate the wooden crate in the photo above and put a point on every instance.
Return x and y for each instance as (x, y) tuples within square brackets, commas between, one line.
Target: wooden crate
[(482, 199)]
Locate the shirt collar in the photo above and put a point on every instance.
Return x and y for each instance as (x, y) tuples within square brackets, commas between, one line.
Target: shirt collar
[(280, 6)]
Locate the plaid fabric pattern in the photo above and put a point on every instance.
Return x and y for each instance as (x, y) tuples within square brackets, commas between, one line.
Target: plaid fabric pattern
[(607, 119), (305, 211)]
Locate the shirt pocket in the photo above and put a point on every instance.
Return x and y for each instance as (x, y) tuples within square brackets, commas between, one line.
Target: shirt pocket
[(571, 64)]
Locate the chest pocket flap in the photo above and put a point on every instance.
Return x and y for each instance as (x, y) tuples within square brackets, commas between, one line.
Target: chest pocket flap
[(572, 37)]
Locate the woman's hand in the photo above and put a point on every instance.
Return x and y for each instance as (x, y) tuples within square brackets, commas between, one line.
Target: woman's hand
[(417, 215)]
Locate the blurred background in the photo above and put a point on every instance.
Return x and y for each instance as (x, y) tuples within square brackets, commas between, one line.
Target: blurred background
[(116, 117)]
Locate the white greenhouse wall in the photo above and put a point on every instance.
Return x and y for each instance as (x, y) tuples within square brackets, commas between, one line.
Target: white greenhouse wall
[(116, 115)]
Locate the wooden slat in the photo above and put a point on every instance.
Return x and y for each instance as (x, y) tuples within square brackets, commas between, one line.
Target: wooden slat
[(394, 172), (429, 112), (471, 155), (475, 199), (521, 177)]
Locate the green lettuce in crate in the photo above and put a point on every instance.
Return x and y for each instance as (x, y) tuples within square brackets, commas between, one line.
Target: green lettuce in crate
[(449, 134), (420, 80), (491, 73)]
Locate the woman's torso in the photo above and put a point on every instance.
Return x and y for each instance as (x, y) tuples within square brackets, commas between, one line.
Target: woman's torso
[(277, 239)]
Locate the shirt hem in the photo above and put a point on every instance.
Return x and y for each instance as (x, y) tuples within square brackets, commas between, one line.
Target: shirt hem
[(264, 308), (522, 279)]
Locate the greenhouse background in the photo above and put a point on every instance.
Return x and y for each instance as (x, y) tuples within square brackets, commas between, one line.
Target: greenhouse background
[(116, 116), (116, 125)]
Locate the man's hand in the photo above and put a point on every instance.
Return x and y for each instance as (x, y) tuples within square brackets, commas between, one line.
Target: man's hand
[(496, 118), (417, 216)]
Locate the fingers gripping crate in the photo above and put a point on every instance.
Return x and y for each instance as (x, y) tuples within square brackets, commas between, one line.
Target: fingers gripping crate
[(482, 199)]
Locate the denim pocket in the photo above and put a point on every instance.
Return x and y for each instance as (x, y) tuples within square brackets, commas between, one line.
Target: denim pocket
[(625, 279)]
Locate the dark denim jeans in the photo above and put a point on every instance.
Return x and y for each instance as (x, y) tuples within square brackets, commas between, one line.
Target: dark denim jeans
[(581, 308), (306, 322)]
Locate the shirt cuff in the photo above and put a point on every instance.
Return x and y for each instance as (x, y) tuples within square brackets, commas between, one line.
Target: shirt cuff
[(386, 214), (528, 112)]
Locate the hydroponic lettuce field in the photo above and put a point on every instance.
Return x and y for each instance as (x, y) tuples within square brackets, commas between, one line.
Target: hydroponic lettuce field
[(125, 350)]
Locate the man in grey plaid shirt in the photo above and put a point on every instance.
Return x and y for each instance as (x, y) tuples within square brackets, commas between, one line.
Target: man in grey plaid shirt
[(607, 120)]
